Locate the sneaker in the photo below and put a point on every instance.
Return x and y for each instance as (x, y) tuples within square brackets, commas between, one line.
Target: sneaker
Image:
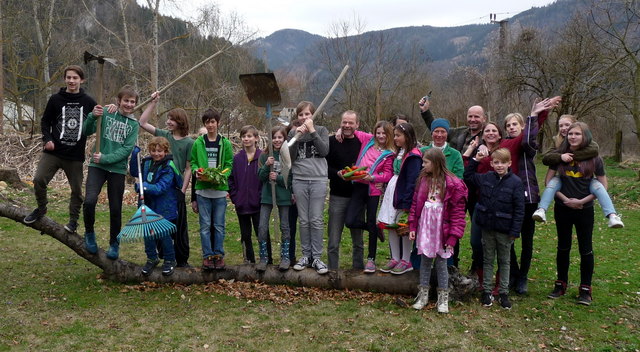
[(370, 267), (559, 289), (540, 215), (487, 299), (285, 263), (148, 267), (185, 265), (321, 268), (90, 242), (402, 268), (262, 265), (614, 221), (167, 267), (71, 226), (301, 264), (389, 266), (35, 215), (522, 285), (113, 251), (218, 262), (504, 301), (584, 295), (207, 263)]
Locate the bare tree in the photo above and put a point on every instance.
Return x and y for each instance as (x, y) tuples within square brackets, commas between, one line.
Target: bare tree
[(1, 76)]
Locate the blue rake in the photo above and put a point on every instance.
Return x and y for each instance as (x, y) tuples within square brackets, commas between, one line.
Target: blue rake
[(145, 223)]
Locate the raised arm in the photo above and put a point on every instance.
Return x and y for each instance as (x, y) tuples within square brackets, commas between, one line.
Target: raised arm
[(148, 112)]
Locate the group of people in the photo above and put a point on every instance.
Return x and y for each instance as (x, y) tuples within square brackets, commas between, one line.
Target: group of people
[(426, 190)]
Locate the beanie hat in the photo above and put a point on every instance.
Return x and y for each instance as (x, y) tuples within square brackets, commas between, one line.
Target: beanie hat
[(444, 123)]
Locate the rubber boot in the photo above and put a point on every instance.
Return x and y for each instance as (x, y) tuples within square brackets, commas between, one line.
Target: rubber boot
[(262, 264), (285, 263), (443, 300), (422, 298), (90, 242), (480, 274)]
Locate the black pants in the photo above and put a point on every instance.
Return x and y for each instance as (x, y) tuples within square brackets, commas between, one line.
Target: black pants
[(181, 236), (582, 219), (361, 201), (246, 221), (96, 178), (526, 236)]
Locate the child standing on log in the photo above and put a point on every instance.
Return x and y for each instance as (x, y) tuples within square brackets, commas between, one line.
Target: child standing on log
[(161, 181), (436, 223), (270, 171)]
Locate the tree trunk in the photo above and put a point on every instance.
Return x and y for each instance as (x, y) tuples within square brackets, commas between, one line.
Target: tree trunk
[(1, 79), (11, 177), (124, 271)]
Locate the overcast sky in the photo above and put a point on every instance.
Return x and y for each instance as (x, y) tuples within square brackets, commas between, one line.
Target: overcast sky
[(268, 16)]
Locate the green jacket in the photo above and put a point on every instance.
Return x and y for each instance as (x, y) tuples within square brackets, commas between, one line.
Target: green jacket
[(118, 134), (225, 161), (453, 159), (283, 195)]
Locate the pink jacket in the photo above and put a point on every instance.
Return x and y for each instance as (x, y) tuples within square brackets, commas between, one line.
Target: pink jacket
[(454, 208), (383, 171)]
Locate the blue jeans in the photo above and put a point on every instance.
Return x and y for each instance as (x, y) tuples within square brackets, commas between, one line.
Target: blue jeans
[(212, 208), (166, 244), (596, 188)]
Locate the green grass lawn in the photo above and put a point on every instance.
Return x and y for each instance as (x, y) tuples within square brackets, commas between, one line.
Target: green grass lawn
[(54, 300)]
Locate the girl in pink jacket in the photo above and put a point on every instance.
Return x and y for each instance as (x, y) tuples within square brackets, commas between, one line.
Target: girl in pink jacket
[(436, 222), (377, 154)]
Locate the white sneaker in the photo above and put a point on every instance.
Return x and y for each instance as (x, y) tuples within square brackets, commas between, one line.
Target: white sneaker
[(301, 264), (540, 215), (321, 268), (615, 222)]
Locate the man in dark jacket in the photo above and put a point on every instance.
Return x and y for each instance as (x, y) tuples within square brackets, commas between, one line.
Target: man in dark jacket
[(342, 154), (64, 144), (499, 213)]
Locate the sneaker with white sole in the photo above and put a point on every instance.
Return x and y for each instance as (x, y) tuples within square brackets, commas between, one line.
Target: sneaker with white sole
[(370, 267), (389, 266), (402, 267), (321, 268), (615, 222), (540, 215), (301, 264), (35, 215)]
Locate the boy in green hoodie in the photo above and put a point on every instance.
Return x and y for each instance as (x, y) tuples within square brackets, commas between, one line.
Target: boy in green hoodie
[(118, 133), (212, 150)]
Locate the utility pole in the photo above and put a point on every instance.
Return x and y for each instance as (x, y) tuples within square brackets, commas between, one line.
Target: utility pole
[(503, 32)]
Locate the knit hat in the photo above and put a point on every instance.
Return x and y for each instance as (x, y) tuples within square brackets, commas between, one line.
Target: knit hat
[(440, 123)]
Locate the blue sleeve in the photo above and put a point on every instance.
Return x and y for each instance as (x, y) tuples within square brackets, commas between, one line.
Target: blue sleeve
[(163, 183)]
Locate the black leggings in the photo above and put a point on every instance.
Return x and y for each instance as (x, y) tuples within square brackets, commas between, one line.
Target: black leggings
[(360, 201), (526, 236), (582, 219)]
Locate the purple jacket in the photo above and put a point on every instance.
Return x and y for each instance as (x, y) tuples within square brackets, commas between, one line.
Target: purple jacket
[(244, 184), (455, 198)]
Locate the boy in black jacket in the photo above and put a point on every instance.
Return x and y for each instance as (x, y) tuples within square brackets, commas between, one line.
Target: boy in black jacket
[(499, 211), (64, 144)]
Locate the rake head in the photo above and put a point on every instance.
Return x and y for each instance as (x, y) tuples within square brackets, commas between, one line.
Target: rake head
[(146, 224)]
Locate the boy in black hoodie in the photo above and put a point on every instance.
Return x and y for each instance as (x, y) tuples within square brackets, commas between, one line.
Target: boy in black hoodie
[(64, 144)]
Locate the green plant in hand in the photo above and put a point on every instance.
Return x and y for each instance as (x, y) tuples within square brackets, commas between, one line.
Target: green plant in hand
[(213, 175)]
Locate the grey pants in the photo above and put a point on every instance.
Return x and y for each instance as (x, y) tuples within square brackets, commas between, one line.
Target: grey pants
[(493, 243), (265, 220), (47, 167), (441, 271), (310, 197), (337, 214)]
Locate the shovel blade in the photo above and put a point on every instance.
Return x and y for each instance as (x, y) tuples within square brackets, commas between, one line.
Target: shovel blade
[(261, 89)]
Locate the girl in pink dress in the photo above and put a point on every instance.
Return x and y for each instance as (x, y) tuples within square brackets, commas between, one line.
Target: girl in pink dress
[(436, 223)]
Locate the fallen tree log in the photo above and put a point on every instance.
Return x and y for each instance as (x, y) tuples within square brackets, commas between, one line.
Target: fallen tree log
[(120, 270)]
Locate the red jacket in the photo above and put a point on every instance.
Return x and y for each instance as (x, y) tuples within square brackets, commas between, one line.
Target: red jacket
[(454, 202)]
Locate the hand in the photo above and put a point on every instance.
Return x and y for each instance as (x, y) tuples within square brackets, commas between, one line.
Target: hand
[(194, 207), (483, 151), (339, 136), (293, 199), (340, 174), (96, 157), (567, 157), (472, 146), (198, 174), (412, 235), (49, 146), (424, 104), (269, 161), (302, 129), (273, 176), (111, 108), (573, 203), (368, 178), (309, 124), (379, 186), (97, 111), (155, 96), (448, 248)]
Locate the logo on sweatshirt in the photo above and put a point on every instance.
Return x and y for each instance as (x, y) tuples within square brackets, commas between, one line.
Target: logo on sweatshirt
[(116, 131)]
